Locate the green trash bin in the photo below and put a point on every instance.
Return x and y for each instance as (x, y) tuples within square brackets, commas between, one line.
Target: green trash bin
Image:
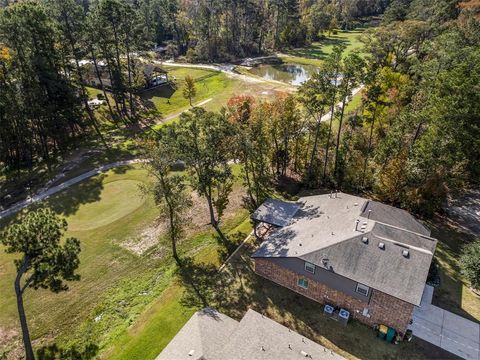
[(390, 335)]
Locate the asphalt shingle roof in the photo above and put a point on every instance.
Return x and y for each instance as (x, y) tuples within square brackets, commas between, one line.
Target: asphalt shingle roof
[(202, 336), (276, 212), (255, 337), (326, 227)]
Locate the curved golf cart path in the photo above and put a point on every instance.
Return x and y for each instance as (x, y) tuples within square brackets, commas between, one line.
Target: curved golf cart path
[(45, 193), (227, 69), (49, 191)]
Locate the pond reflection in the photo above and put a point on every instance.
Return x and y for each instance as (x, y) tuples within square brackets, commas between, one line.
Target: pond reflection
[(293, 74)]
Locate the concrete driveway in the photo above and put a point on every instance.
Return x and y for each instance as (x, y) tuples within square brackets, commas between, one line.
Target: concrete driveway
[(446, 330)]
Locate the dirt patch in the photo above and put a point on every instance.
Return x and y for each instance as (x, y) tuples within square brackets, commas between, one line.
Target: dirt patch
[(10, 343), (146, 239), (197, 219)]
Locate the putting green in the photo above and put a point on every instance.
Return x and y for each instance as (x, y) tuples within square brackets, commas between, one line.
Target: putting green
[(117, 199)]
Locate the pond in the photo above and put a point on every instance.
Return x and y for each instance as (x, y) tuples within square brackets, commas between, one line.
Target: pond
[(293, 74)]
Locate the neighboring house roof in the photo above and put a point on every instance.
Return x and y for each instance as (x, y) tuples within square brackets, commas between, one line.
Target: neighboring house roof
[(258, 337), (201, 337), (255, 337), (325, 232), (275, 212), (149, 69)]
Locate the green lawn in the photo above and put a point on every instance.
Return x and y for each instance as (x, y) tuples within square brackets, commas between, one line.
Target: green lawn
[(453, 293), (124, 267), (317, 51), (109, 212), (169, 100), (154, 329)]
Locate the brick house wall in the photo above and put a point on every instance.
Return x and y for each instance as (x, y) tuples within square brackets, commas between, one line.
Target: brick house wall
[(382, 308)]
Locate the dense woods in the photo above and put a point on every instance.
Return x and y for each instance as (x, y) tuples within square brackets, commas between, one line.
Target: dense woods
[(414, 139)]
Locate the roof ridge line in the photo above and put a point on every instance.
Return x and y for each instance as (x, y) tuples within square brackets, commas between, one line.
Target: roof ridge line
[(407, 245), (339, 242), (406, 230)]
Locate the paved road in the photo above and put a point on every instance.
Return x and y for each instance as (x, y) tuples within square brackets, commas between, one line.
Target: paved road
[(55, 189), (444, 329), (465, 210)]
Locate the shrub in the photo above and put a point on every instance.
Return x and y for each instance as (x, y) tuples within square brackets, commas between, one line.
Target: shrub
[(191, 55), (470, 263)]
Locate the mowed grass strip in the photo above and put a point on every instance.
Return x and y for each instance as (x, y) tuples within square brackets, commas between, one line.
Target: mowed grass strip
[(316, 52), (154, 329), (454, 293), (117, 199), (116, 284), (103, 261), (169, 100)]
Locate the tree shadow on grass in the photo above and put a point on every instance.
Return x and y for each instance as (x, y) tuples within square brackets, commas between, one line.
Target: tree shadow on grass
[(199, 280), (120, 170), (451, 239), (68, 202), (229, 245), (164, 92), (53, 352)]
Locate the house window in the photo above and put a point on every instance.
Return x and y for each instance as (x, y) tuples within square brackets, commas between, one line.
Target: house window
[(309, 267), (362, 289), (303, 283)]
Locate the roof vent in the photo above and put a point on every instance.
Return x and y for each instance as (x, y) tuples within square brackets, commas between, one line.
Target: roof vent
[(365, 240), (405, 253), (191, 352), (325, 261), (381, 245)]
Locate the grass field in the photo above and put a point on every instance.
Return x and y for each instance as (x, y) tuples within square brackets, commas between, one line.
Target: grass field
[(317, 51), (164, 318), (454, 293), (109, 212), (214, 86), (124, 266)]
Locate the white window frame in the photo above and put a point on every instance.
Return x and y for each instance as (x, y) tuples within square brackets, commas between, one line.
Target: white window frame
[(363, 287), (304, 281), (307, 265)]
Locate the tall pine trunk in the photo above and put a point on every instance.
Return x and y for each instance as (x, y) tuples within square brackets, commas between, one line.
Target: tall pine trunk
[(339, 134), (21, 312), (327, 147), (369, 148), (315, 143)]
